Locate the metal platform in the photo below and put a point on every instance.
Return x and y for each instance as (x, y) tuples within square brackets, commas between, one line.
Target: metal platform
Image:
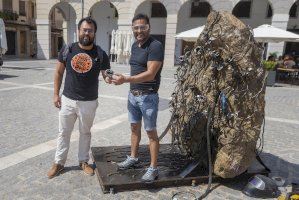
[(171, 164)]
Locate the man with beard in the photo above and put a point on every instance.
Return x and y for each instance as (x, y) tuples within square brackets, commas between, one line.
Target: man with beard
[(146, 64), (80, 94)]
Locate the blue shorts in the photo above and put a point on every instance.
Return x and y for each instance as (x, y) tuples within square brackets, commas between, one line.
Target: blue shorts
[(143, 106)]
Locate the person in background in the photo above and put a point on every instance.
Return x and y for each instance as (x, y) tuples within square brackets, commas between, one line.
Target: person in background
[(271, 58), (297, 62), (288, 61)]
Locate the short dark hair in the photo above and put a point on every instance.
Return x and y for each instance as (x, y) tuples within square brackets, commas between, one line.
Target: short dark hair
[(89, 20), (141, 16)]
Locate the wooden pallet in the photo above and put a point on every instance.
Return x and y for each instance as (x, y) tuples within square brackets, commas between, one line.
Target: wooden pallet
[(170, 164)]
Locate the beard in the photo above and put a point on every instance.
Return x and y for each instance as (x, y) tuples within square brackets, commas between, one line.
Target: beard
[(85, 40)]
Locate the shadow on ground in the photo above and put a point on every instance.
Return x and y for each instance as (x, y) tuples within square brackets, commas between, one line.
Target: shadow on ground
[(4, 76), (163, 104), (279, 168), (282, 168), (70, 168)]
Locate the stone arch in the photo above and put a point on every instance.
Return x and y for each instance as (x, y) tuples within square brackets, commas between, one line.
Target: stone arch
[(106, 15), (149, 1), (62, 18), (293, 26), (217, 5), (171, 7), (294, 10), (75, 6), (184, 14), (281, 7), (137, 5), (257, 13), (158, 24), (122, 8), (87, 7), (242, 4), (222, 5)]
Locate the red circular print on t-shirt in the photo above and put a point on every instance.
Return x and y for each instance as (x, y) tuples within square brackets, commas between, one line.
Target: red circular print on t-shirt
[(81, 63)]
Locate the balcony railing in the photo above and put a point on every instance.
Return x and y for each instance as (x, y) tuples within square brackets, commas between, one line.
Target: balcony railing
[(8, 15)]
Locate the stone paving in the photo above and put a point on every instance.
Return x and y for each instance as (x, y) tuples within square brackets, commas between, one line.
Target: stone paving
[(28, 119)]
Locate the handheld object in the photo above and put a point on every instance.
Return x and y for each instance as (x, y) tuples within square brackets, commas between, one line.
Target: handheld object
[(109, 73)]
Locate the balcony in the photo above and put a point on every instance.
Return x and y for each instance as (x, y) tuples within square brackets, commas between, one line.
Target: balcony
[(14, 18), (8, 15)]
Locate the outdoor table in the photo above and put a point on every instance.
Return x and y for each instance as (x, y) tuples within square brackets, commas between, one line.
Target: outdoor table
[(292, 73)]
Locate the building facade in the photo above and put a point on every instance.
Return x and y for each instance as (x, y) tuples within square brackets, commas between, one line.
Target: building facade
[(19, 18), (167, 18), (20, 26)]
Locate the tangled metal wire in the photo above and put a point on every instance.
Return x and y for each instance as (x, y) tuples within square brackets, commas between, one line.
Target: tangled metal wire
[(226, 76)]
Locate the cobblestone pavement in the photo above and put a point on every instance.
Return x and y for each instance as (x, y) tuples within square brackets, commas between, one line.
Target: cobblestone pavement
[(29, 124)]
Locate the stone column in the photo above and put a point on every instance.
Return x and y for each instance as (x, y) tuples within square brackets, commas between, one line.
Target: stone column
[(43, 38), (65, 32), (126, 12), (124, 24), (28, 43), (72, 25), (279, 21), (222, 5), (75, 33), (171, 25), (18, 43)]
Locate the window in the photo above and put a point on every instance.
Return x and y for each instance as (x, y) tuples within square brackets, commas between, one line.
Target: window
[(242, 9), (200, 9), (115, 13), (11, 40), (22, 42), (270, 11), (158, 10), (22, 8), (32, 10), (293, 10), (7, 5)]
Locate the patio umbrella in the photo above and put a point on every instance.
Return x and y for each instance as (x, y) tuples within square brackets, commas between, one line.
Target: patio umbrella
[(267, 33), (190, 35), (112, 49), (128, 44), (3, 42), (118, 43), (264, 33), (120, 40)]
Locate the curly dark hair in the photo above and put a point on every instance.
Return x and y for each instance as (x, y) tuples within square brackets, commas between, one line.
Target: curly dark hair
[(141, 16), (89, 20)]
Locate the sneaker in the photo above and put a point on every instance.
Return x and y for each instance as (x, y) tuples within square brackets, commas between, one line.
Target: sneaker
[(55, 170), (129, 162), (150, 175), (88, 170)]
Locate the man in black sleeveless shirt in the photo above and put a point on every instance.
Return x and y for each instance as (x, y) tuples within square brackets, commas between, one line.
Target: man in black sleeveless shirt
[(146, 64), (80, 94)]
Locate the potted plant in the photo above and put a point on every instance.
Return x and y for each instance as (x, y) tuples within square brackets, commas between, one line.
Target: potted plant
[(271, 73)]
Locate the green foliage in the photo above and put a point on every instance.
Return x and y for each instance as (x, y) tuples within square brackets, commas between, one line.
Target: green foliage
[(8, 15), (269, 65), (274, 54)]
